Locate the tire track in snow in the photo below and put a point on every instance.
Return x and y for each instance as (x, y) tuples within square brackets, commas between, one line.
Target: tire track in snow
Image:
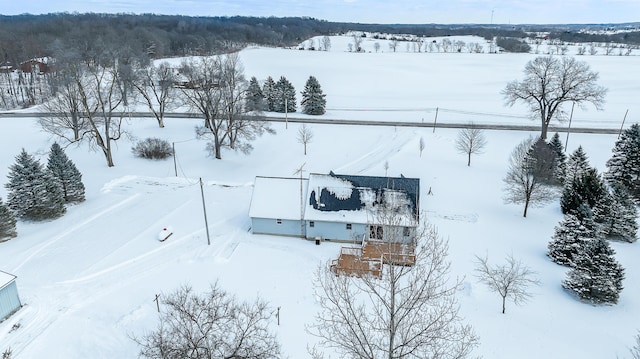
[(380, 153), (58, 237)]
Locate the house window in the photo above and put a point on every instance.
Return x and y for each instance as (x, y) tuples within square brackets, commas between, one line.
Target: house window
[(349, 226), (278, 221), (375, 232), (312, 224), (406, 232)]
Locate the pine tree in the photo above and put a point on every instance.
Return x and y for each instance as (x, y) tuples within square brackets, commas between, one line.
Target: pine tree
[(624, 165), (269, 92), (285, 94), (570, 236), (68, 176), (617, 213), (313, 100), (33, 192), (544, 160), (254, 100), (596, 276), (561, 158), (588, 188), (577, 163), (7, 223)]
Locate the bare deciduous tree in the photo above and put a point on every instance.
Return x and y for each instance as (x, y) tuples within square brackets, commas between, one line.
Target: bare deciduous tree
[(357, 42), (100, 98), (470, 141), (201, 91), (65, 120), (215, 88), (393, 44), (511, 280), (210, 325), (326, 43), (155, 84), (305, 135), (376, 46), (525, 181), (551, 82), (409, 312)]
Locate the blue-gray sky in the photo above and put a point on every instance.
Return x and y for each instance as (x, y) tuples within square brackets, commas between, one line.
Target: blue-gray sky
[(366, 11)]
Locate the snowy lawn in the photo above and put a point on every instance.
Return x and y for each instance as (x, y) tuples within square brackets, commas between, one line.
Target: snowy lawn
[(88, 279)]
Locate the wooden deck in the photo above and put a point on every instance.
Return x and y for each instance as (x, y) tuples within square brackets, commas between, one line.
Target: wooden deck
[(370, 258)]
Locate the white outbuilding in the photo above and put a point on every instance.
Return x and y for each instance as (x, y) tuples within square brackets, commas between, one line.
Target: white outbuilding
[(9, 299)]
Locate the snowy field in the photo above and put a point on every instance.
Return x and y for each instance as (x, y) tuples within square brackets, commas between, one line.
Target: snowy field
[(88, 279)]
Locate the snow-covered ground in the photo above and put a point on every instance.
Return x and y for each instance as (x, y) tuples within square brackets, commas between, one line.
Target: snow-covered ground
[(88, 279)]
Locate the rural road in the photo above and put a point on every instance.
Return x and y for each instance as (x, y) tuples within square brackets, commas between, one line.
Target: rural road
[(328, 121)]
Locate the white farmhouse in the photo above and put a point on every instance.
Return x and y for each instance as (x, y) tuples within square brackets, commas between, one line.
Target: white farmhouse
[(336, 207)]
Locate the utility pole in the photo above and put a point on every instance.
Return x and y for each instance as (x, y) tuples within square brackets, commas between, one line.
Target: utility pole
[(157, 302), (569, 128), (621, 126), (435, 120), (286, 110), (175, 165), (204, 210), (302, 224)]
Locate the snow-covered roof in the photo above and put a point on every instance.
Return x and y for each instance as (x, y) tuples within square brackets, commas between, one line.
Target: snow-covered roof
[(6, 279), (45, 60), (277, 197), (356, 199)]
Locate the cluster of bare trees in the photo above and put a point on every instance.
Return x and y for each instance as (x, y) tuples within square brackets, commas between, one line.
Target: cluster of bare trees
[(23, 89), (215, 88), (93, 96), (423, 44), (213, 324)]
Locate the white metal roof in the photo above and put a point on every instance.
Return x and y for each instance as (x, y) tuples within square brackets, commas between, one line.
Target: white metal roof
[(6, 279), (277, 197)]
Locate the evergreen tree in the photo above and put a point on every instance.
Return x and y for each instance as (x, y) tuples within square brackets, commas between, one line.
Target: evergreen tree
[(7, 223), (285, 94), (561, 158), (544, 161), (570, 236), (254, 100), (624, 165), (68, 176), (596, 276), (269, 93), (587, 188), (577, 163), (33, 192), (617, 213), (313, 100)]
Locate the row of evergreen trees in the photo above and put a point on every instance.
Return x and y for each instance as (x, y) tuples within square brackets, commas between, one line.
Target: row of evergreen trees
[(280, 96), (596, 208), (38, 193)]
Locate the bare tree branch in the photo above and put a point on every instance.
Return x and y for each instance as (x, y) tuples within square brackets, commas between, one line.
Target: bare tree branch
[(470, 141), (552, 81), (510, 281)]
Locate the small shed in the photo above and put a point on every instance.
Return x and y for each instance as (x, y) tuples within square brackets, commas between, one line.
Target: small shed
[(9, 299)]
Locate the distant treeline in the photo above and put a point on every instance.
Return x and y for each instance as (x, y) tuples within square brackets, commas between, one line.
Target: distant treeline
[(24, 37)]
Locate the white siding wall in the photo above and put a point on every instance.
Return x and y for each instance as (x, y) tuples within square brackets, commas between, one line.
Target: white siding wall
[(9, 300), (336, 231), (287, 227)]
